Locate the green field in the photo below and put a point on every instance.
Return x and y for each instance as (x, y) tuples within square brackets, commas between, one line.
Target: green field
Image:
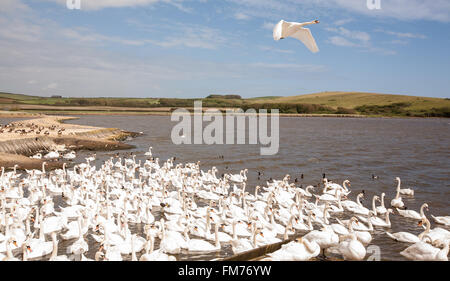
[(371, 104)]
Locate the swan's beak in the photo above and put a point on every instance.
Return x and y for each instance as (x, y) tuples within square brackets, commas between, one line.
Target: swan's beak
[(29, 249), (15, 243), (420, 223)]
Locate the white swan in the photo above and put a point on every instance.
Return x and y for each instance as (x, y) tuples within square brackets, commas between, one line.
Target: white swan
[(296, 30), (409, 237), (413, 214), (298, 250), (54, 256), (197, 245), (239, 245), (383, 223), (352, 249), (151, 255), (71, 155), (52, 155), (445, 220), (149, 152), (405, 191), (397, 202), (80, 246), (326, 237), (381, 210), (422, 251)]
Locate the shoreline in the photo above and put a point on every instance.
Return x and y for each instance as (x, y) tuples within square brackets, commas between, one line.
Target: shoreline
[(23, 138), (26, 114)]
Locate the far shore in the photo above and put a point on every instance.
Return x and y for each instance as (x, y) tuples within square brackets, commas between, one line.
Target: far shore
[(33, 114), (42, 133)]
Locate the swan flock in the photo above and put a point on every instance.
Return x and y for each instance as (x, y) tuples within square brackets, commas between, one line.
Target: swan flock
[(125, 208)]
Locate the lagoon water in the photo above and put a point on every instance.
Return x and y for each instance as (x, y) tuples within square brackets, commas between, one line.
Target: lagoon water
[(416, 150)]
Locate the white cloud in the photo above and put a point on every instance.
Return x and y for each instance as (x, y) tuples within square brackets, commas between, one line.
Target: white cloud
[(403, 34), (268, 25), (298, 67), (13, 5), (341, 41), (271, 49), (360, 37), (178, 34), (432, 10), (52, 86), (355, 39), (241, 16), (92, 5), (343, 21)]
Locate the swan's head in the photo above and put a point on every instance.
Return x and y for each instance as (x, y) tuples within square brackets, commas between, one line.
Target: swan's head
[(316, 21), (355, 220), (397, 178), (426, 206)]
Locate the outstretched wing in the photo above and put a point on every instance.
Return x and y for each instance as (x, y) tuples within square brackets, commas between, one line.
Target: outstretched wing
[(304, 35), (279, 31)]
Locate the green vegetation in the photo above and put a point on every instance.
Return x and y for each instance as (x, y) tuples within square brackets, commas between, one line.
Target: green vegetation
[(320, 103), (236, 97)]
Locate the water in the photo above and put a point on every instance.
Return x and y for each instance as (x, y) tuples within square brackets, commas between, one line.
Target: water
[(416, 150)]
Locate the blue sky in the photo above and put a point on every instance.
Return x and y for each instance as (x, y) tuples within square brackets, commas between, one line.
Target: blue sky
[(193, 48)]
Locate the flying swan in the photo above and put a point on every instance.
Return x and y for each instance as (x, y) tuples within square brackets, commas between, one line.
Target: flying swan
[(285, 29)]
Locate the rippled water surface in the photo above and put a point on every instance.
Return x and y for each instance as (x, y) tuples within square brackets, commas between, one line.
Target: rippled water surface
[(416, 150)]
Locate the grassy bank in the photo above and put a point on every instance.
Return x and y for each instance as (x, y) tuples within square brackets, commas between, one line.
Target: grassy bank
[(338, 103)]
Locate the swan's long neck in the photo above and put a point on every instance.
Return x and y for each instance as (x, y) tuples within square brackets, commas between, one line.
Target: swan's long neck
[(345, 186), (308, 245), (387, 218), (350, 226), (234, 230), (422, 214), (25, 253), (374, 208), (325, 212), (310, 222), (216, 234), (9, 253), (55, 247), (357, 200), (369, 221), (427, 229), (398, 189), (152, 244), (307, 23), (254, 236), (382, 200), (133, 252)]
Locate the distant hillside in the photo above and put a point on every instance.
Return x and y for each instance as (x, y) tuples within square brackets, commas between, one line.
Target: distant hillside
[(323, 103), (355, 99)]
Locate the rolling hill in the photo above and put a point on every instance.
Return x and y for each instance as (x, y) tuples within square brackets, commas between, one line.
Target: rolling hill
[(372, 104)]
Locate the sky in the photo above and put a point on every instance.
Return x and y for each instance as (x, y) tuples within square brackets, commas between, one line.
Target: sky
[(194, 48)]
